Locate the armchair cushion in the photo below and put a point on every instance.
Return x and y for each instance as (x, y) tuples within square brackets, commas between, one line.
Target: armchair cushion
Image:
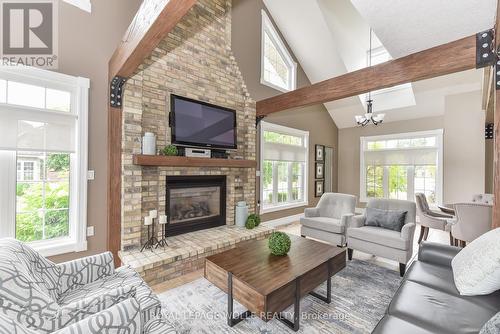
[(75, 274), (311, 212), (357, 221), (323, 223), (379, 236), (388, 219)]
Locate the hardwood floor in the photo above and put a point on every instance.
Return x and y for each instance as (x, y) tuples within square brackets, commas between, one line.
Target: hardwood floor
[(434, 235)]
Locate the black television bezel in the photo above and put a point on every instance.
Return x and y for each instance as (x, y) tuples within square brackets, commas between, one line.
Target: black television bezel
[(173, 98)]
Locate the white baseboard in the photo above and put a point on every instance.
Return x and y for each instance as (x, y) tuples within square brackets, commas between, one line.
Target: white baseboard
[(284, 221)]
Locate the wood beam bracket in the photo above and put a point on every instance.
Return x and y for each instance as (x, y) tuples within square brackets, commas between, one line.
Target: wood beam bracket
[(486, 54), (497, 73), (258, 119), (115, 91)]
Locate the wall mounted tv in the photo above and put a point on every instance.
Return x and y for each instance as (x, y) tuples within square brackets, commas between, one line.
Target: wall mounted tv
[(196, 123)]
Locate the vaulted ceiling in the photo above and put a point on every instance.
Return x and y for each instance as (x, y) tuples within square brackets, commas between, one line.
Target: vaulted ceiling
[(330, 38)]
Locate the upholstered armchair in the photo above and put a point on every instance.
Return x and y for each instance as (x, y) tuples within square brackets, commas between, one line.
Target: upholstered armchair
[(383, 242), (429, 219), (43, 296), (124, 317), (472, 221), (328, 220)]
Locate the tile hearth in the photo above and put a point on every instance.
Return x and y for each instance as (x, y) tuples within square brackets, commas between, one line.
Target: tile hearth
[(186, 252)]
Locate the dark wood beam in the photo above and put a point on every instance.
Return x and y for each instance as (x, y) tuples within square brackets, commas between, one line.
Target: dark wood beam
[(445, 59), (496, 116), (153, 21)]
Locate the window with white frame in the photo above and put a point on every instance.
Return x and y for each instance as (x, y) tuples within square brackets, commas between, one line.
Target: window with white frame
[(278, 69), (43, 159), (284, 158), (399, 165)]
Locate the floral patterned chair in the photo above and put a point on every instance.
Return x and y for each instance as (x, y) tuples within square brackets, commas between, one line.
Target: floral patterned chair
[(43, 297)]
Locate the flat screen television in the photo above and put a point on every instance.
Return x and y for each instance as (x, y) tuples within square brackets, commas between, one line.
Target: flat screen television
[(196, 123)]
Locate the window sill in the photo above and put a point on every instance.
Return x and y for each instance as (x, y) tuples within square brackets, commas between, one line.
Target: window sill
[(283, 207), (273, 86), (58, 246)]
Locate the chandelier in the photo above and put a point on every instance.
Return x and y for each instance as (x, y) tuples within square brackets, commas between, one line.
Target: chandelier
[(369, 117)]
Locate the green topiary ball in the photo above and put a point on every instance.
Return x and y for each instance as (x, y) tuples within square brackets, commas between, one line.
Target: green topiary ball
[(250, 223), (279, 243), (170, 151), (255, 218)]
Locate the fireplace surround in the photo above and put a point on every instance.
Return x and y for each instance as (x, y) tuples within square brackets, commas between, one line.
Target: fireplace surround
[(194, 203)]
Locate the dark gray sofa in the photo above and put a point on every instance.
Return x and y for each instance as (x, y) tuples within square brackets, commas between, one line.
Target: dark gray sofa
[(428, 301)]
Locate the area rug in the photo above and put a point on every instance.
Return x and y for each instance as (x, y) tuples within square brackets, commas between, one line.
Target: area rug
[(360, 295)]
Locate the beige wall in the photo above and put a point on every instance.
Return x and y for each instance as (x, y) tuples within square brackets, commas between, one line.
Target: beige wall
[(246, 45), (463, 169), (86, 43)]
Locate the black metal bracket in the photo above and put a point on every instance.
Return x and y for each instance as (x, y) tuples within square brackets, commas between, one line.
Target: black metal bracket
[(115, 91), (328, 298), (295, 325), (497, 72), (231, 319), (258, 119), (485, 49), (489, 131)]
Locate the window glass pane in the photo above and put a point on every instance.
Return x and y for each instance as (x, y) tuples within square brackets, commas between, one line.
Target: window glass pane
[(276, 70), (26, 95), (42, 196), (398, 182), (282, 182), (58, 100), (425, 182), (3, 91), (267, 182), (374, 181), (296, 179)]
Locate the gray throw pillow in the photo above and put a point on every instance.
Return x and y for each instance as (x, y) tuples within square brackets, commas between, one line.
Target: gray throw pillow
[(492, 326), (389, 219)]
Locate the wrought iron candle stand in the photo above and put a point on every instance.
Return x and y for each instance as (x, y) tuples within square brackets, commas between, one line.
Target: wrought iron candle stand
[(163, 240), (152, 239)]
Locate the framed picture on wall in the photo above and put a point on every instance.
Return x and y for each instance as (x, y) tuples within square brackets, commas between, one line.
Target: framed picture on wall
[(320, 170), (319, 187), (320, 153)]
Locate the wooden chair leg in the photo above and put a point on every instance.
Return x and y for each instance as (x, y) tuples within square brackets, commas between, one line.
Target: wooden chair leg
[(349, 253), (455, 242), (402, 269), (426, 233), (462, 243), (422, 230), (452, 241)]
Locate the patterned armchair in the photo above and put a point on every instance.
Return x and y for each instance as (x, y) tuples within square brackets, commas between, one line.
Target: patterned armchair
[(45, 297)]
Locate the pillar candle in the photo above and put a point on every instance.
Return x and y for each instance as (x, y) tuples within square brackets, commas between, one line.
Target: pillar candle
[(153, 213), (163, 219), (148, 221)]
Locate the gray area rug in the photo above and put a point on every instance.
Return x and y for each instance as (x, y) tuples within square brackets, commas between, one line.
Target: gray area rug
[(360, 295)]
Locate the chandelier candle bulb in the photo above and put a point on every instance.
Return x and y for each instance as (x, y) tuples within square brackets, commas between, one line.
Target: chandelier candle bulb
[(148, 221), (163, 219), (153, 214)]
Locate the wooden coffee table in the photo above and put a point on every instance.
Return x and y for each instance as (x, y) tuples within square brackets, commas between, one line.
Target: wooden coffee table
[(266, 284)]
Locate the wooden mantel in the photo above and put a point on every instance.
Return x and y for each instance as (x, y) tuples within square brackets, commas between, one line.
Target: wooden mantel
[(160, 160)]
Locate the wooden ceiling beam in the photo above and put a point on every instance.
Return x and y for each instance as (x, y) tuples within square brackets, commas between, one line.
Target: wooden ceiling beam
[(152, 23), (445, 59)]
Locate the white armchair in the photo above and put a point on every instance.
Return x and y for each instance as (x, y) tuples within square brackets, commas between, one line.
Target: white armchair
[(329, 219), (394, 245)]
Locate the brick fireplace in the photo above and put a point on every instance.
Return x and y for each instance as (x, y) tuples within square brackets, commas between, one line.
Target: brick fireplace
[(194, 61)]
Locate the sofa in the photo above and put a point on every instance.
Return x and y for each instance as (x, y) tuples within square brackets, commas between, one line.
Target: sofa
[(44, 297), (329, 219), (393, 245), (427, 300)]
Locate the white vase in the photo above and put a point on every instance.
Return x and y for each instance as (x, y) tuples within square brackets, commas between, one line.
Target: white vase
[(149, 144), (241, 214)]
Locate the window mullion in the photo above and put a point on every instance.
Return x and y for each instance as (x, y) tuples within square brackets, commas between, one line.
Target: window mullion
[(8, 175), (289, 182), (275, 182), (410, 177), (385, 181)]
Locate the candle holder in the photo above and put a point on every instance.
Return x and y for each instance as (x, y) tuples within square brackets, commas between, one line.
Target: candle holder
[(163, 240), (152, 239)]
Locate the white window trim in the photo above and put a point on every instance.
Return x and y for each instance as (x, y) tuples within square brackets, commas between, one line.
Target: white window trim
[(265, 126), (438, 133), (79, 86), (267, 26)]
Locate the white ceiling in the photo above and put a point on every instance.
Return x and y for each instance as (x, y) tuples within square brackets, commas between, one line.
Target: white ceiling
[(330, 38), (409, 26)]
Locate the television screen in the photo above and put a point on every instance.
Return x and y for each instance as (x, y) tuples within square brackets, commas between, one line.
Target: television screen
[(196, 123)]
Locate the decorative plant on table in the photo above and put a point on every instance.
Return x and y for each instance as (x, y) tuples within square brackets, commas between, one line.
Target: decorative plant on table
[(253, 221), (170, 151), (279, 243)]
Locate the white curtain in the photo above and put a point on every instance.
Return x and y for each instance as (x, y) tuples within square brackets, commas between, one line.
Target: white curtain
[(284, 152), (420, 156)]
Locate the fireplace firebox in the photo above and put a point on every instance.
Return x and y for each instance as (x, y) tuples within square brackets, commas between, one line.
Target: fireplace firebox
[(194, 203)]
